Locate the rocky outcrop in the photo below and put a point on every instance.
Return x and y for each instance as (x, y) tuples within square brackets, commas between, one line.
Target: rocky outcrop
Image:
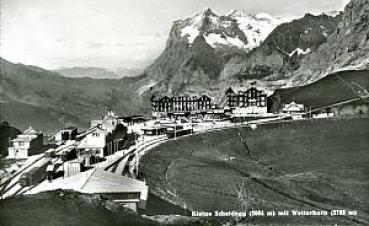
[(209, 52), (346, 49), (283, 50), (198, 48)]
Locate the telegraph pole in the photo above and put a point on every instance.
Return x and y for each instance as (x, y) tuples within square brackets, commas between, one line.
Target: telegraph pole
[(175, 131), (136, 163)]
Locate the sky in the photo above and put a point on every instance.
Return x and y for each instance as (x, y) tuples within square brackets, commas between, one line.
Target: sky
[(114, 33)]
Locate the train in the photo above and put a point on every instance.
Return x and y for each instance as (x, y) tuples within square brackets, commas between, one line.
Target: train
[(177, 133), (35, 175), (50, 153)]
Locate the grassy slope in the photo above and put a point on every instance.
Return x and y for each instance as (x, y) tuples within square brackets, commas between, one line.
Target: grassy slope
[(43, 118), (326, 91), (27, 92), (310, 165)]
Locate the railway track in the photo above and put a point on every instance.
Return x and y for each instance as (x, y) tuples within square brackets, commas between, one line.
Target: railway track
[(122, 164), (11, 182)]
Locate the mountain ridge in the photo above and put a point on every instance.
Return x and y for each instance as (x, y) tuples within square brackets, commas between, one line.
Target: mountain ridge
[(234, 29), (32, 95), (176, 71), (46, 100), (346, 49), (98, 72)]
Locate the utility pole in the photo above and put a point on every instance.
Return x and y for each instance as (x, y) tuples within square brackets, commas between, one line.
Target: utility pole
[(63, 170), (191, 125), (136, 163), (175, 131)]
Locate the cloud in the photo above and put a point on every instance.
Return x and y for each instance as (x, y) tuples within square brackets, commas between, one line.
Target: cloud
[(142, 56), (154, 34), (111, 32), (116, 45)]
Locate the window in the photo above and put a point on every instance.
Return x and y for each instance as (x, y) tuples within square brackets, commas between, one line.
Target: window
[(96, 134), (21, 143)]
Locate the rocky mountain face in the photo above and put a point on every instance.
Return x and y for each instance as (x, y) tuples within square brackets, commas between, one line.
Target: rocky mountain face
[(347, 48), (198, 48), (209, 52), (235, 29), (281, 53), (334, 88), (206, 52)]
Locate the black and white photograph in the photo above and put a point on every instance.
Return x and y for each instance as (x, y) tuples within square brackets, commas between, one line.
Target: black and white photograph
[(184, 112)]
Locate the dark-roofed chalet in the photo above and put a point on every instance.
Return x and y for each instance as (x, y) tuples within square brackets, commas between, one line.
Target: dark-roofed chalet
[(181, 104), (241, 97)]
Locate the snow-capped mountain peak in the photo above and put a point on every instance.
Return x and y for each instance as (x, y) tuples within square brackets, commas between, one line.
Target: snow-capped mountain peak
[(234, 29), (235, 13), (256, 27), (267, 17)]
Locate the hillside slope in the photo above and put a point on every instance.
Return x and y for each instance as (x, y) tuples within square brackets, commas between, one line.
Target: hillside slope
[(332, 89), (88, 72), (312, 167), (98, 73), (346, 49), (46, 100)]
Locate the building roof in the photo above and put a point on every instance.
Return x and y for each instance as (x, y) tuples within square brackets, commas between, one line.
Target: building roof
[(293, 107), (90, 130), (28, 135), (30, 131), (219, 101), (237, 89), (70, 128), (244, 89), (184, 97), (154, 127), (78, 161), (108, 117), (23, 138), (67, 129), (105, 182), (95, 181), (206, 97), (95, 122), (65, 148)]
